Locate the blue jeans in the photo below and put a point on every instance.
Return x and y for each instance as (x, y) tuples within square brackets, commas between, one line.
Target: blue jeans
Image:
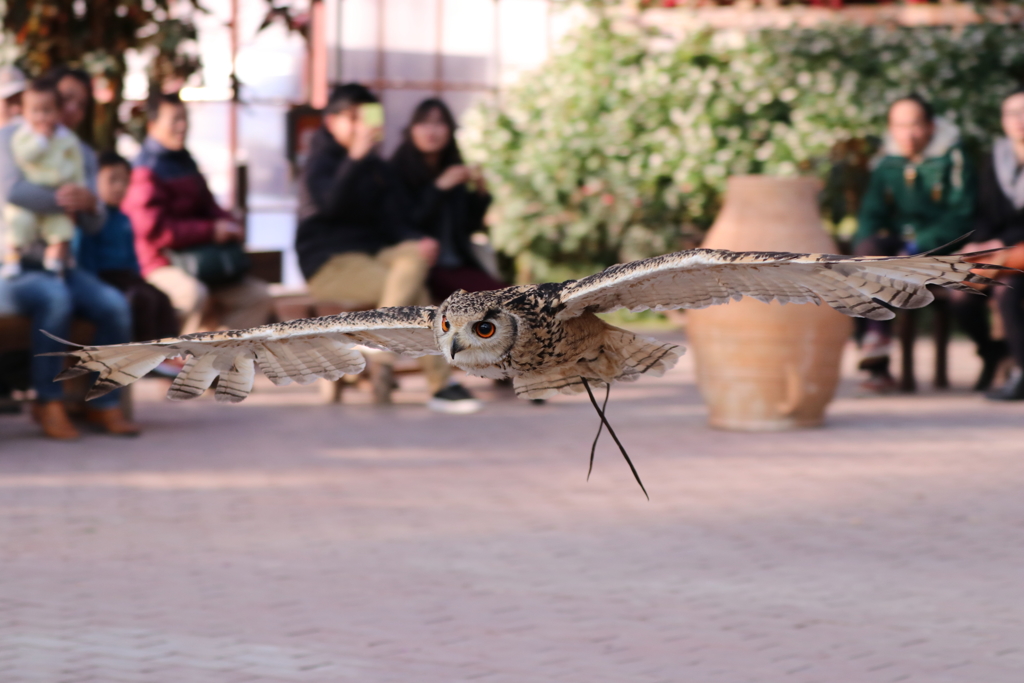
[(51, 302)]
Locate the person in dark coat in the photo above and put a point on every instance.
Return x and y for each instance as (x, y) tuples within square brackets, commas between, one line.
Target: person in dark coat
[(348, 221), (443, 198), (353, 243), (999, 222)]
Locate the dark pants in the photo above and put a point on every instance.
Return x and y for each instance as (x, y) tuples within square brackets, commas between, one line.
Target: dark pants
[(153, 316), (1011, 307), (972, 314), (443, 282), (51, 302)]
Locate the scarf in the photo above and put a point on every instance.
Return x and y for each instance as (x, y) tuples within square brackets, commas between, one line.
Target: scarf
[(166, 164), (1009, 172)]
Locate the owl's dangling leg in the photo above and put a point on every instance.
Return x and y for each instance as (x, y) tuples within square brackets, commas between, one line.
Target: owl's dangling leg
[(604, 421), (600, 426)]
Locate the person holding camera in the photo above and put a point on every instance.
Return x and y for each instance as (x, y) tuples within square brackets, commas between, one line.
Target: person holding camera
[(353, 244)]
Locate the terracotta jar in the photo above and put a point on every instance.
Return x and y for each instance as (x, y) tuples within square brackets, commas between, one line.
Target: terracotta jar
[(768, 366)]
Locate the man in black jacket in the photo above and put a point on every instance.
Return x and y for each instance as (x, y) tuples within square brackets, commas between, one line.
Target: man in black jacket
[(1000, 223), (352, 243)]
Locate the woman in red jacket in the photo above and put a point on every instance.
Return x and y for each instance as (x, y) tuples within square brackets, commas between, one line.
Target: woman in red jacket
[(173, 213)]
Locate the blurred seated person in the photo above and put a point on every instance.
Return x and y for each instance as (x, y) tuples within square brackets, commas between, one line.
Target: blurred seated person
[(443, 198), (110, 254), (188, 247), (52, 301), (48, 154), (1000, 223), (920, 197), (352, 243), (12, 84)]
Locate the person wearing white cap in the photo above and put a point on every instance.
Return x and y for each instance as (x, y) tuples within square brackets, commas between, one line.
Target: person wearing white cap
[(12, 84)]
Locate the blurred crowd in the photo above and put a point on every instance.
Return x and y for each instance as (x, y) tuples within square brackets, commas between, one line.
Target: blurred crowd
[(392, 233), (926, 194), (142, 250)]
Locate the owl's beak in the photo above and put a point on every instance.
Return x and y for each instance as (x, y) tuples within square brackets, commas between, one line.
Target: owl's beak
[(456, 346)]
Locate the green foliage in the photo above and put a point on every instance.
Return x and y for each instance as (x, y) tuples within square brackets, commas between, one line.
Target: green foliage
[(621, 143), (94, 34)]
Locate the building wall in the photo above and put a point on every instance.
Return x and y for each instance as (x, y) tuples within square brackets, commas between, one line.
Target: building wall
[(462, 50), (406, 50)]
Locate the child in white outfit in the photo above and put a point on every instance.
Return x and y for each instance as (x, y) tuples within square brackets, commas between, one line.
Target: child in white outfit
[(48, 154)]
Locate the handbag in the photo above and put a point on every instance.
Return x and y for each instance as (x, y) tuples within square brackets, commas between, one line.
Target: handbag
[(213, 264)]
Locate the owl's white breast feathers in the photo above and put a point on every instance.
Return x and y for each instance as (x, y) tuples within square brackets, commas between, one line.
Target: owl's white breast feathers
[(705, 277)]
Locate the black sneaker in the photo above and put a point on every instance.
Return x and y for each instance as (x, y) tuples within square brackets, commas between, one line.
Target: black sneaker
[(992, 357), (454, 399), (8, 405), (1013, 390)]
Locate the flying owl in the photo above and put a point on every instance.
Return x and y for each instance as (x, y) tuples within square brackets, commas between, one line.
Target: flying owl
[(546, 337)]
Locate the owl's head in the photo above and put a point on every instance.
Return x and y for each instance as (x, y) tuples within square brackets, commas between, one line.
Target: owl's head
[(475, 332)]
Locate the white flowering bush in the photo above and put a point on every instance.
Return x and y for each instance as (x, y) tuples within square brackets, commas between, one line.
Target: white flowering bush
[(618, 145)]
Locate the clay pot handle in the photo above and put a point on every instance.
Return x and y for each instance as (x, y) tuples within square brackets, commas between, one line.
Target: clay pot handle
[(794, 391)]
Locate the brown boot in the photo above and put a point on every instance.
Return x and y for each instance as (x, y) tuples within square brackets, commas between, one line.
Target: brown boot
[(54, 421), (111, 421)]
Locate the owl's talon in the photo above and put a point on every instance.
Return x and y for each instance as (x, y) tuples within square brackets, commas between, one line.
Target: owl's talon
[(604, 421), (600, 426)]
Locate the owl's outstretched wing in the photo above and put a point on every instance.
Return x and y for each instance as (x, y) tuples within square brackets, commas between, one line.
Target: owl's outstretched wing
[(299, 350), (856, 286)]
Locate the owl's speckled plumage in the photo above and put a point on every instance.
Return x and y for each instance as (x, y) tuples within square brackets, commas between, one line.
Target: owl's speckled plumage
[(546, 353), (547, 337)]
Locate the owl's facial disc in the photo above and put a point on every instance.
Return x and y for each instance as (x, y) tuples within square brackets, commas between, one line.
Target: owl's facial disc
[(472, 339)]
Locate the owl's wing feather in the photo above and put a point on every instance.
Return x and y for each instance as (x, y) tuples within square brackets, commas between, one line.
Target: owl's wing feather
[(856, 286), (297, 350)]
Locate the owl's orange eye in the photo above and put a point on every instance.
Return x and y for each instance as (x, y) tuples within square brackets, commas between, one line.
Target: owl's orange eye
[(484, 329), (444, 324)]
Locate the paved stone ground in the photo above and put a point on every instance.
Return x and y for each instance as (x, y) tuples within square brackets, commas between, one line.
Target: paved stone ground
[(284, 540)]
